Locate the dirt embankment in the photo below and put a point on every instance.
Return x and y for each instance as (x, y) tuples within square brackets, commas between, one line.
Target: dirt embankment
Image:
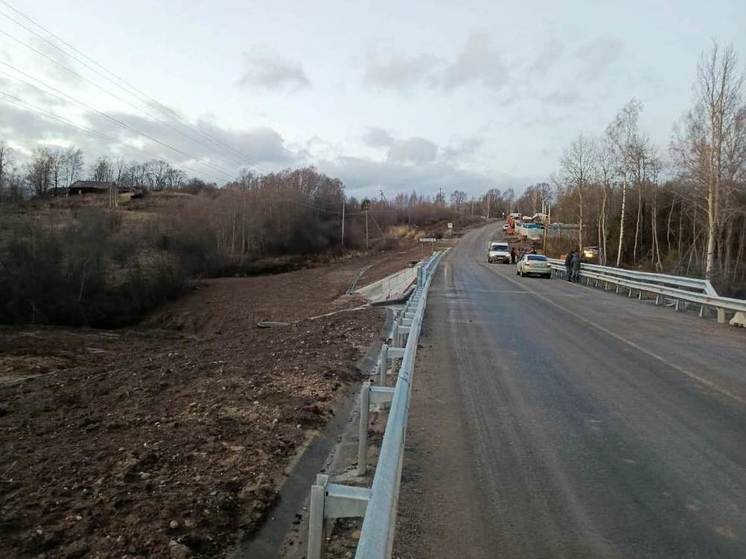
[(164, 440)]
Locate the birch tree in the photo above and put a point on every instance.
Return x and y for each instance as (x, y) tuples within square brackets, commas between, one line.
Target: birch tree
[(578, 168), (718, 89), (623, 134)]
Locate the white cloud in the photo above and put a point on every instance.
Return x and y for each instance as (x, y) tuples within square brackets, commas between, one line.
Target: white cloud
[(266, 70), (399, 72), (365, 175), (562, 97), (550, 54), (57, 63), (598, 56), (476, 63), (377, 137), (414, 151), (203, 141)]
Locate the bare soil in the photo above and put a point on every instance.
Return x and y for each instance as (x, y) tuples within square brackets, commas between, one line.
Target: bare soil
[(166, 439)]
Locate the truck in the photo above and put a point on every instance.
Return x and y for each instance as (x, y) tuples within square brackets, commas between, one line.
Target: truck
[(531, 231)]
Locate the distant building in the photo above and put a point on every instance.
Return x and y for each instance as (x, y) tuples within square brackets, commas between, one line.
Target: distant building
[(91, 187)]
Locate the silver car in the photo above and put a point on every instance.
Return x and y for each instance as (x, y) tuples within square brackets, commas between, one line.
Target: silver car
[(534, 265)]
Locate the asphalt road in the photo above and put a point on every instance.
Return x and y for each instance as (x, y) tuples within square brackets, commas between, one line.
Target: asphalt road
[(555, 420)]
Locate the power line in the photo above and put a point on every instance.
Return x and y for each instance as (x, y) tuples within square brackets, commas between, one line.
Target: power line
[(124, 84), (18, 102), (74, 73), (112, 119)]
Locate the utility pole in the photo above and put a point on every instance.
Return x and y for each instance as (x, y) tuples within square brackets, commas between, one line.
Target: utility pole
[(366, 206), (344, 203)]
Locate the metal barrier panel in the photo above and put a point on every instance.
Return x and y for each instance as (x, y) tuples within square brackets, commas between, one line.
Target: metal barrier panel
[(660, 288), (378, 505)]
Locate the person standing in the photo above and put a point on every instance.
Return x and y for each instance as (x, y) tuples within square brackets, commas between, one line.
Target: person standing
[(512, 255), (575, 263), (568, 265)]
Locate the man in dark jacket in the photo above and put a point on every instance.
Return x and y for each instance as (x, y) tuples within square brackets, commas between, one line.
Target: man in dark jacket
[(568, 264), (512, 255), (575, 263)]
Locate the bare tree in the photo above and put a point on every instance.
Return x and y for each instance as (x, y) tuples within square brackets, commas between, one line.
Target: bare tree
[(606, 172), (38, 171), (458, 198), (6, 160), (578, 170), (72, 164), (56, 167), (623, 135), (719, 93), (102, 170)]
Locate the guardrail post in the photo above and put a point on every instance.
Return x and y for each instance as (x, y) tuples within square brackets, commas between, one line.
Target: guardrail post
[(399, 336), (316, 517), (362, 440), (383, 364), (721, 315), (377, 505)]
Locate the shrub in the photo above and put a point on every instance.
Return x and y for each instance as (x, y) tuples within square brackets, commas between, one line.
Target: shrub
[(82, 272)]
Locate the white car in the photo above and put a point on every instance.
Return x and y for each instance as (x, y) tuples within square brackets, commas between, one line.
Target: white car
[(534, 265), (498, 252)]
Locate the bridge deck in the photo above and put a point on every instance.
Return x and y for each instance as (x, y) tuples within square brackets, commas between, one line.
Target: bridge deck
[(554, 420)]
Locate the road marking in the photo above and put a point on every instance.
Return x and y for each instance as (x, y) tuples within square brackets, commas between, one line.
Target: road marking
[(692, 376)]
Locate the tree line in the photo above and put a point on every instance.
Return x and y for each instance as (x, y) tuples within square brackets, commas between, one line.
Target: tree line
[(95, 265), (679, 208), (51, 170)]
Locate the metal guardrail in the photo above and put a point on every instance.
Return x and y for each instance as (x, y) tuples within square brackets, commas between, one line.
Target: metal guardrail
[(377, 505), (680, 282), (658, 285)]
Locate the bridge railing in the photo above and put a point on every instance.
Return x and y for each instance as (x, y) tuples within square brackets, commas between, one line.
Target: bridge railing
[(676, 289), (679, 282), (378, 504)]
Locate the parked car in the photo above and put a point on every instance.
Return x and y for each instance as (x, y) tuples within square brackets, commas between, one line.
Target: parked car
[(534, 265), (498, 252), (590, 254)]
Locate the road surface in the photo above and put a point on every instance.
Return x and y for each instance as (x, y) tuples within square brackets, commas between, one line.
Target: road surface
[(555, 420)]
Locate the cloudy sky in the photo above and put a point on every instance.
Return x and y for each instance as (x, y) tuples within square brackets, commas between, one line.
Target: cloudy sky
[(385, 94)]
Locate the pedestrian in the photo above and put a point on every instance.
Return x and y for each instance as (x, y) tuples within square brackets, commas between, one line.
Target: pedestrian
[(575, 263), (533, 250), (512, 255), (568, 265)]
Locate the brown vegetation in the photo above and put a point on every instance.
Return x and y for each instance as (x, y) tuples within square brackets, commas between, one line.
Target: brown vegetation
[(81, 260)]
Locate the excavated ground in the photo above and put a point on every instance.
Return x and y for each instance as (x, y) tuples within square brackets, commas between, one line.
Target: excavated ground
[(166, 439)]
